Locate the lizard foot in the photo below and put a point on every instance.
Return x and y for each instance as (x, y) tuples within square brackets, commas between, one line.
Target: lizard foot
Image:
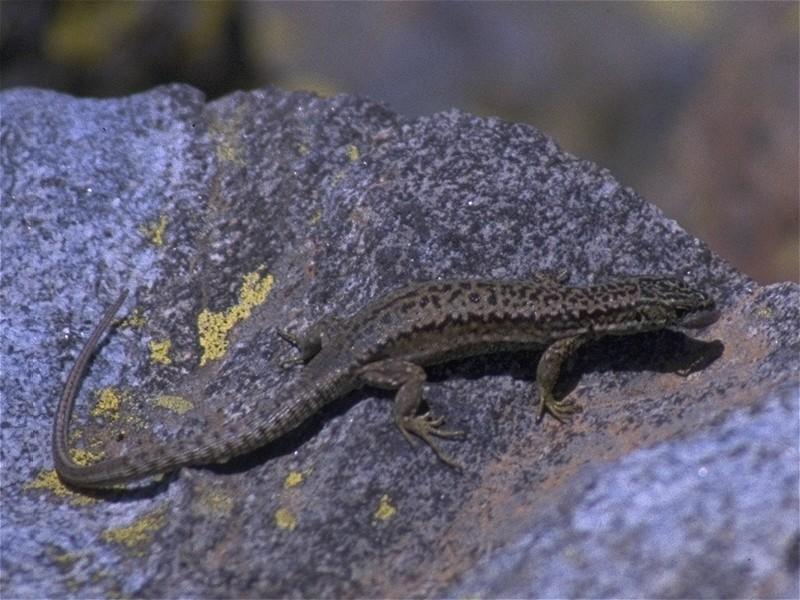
[(289, 337), (560, 409), (287, 361), (424, 427), (291, 361)]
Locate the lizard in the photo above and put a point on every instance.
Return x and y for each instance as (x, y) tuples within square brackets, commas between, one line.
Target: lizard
[(387, 344)]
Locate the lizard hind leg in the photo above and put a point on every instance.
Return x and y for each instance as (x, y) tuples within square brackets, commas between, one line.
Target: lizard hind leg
[(408, 378)]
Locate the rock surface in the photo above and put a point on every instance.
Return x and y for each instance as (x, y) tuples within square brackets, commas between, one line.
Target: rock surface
[(228, 219)]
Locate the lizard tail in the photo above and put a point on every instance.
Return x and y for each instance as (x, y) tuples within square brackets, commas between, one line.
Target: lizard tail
[(204, 448), (65, 465)]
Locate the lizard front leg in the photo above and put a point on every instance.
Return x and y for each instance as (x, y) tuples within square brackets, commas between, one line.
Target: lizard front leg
[(408, 378), (547, 376), (309, 342)]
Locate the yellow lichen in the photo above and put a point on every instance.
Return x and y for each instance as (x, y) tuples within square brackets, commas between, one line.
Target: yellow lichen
[(293, 479), (85, 457), (227, 134), (176, 404), (108, 402), (135, 320), (352, 152), (765, 312), (65, 559), (213, 327), (137, 533), (284, 519), (385, 509), (315, 218), (108, 406), (159, 351), (227, 151), (155, 231), (48, 480), (216, 502)]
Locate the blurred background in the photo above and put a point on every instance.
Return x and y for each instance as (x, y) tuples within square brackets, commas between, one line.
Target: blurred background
[(694, 105)]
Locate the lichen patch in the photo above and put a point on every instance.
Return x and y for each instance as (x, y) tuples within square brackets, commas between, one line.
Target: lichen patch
[(213, 327)]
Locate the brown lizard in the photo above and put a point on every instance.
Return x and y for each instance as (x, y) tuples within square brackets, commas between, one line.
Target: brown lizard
[(387, 343)]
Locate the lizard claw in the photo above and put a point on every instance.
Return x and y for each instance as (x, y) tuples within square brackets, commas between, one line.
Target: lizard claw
[(289, 362), (425, 427), (291, 338)]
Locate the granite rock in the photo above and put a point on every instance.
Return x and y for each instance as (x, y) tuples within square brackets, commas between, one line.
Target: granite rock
[(270, 209)]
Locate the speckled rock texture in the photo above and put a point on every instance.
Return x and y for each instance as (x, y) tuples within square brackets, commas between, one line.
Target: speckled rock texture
[(270, 209)]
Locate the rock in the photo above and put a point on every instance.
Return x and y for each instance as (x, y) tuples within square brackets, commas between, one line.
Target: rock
[(270, 209)]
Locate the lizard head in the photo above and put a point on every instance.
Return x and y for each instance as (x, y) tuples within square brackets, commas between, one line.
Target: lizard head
[(685, 305)]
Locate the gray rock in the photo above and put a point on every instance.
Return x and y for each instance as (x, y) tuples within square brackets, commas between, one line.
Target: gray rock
[(684, 519), (664, 485)]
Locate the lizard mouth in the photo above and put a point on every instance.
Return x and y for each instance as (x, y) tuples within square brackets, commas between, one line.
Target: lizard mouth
[(698, 319)]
